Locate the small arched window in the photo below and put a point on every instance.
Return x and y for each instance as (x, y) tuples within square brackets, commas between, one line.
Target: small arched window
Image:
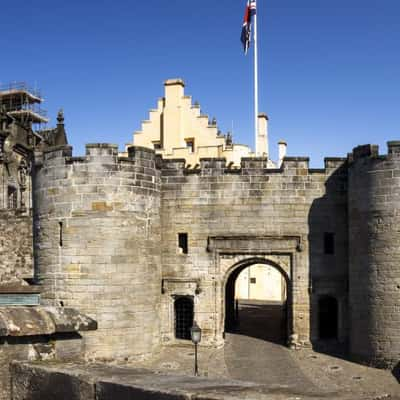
[(183, 317)]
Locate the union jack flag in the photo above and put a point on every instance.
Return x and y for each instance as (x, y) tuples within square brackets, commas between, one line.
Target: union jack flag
[(245, 37)]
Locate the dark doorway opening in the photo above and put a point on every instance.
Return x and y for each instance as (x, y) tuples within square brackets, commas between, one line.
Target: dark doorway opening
[(328, 318), (184, 311), (256, 314)]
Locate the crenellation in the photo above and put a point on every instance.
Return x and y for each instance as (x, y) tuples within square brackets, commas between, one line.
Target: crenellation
[(367, 150), (334, 162), (393, 149), (101, 149), (293, 166)]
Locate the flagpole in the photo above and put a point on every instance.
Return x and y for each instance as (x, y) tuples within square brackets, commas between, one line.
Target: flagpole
[(256, 149)]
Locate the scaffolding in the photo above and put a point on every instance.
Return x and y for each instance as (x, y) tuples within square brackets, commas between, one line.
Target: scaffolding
[(22, 104)]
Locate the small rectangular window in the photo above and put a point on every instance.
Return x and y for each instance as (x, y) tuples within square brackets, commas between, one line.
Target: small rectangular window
[(190, 145), (157, 145), (253, 280), (60, 226), (329, 243), (183, 242)]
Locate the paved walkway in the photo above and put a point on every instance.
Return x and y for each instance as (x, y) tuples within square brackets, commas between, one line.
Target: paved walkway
[(255, 360), (253, 353)]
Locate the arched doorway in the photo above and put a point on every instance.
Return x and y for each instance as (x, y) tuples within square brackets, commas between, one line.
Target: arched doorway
[(327, 317), (256, 301), (184, 308)]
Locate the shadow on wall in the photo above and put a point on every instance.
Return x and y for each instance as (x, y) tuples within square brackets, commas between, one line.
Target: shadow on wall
[(328, 265)]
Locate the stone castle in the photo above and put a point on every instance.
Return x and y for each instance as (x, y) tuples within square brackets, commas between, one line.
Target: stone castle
[(145, 243)]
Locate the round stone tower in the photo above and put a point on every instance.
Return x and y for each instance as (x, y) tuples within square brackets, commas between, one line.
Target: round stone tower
[(374, 255), (97, 235)]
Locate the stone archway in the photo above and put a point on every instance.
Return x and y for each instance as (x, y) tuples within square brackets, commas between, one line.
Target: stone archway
[(230, 312), (285, 253)]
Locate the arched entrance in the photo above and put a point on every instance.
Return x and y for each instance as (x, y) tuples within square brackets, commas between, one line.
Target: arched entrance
[(257, 298)]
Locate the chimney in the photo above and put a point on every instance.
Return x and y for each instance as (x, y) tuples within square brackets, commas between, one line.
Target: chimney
[(174, 91), (262, 149), (172, 114), (282, 147)]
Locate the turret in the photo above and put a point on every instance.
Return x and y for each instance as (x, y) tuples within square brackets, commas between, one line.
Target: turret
[(374, 255), (97, 226)]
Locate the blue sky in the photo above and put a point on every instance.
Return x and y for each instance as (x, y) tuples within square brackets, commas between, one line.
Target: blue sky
[(329, 70)]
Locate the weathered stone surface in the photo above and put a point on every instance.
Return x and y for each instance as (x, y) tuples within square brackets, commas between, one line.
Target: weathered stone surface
[(39, 384), (107, 211), (30, 321), (3, 327), (26, 321), (16, 247), (70, 320), (101, 382), (235, 218), (68, 347), (30, 333), (107, 242), (374, 257)]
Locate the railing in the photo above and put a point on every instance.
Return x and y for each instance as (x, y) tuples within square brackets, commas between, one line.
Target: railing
[(19, 86)]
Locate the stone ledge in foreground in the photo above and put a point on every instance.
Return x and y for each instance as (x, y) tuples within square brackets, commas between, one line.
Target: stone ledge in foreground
[(79, 381)]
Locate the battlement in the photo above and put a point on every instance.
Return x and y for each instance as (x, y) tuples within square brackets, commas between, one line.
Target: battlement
[(248, 166), (371, 151), (97, 151), (149, 161)]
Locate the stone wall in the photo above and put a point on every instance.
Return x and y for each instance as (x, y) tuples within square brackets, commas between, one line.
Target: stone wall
[(280, 216), (374, 258), (16, 258), (74, 381), (107, 240), (98, 244), (38, 334)]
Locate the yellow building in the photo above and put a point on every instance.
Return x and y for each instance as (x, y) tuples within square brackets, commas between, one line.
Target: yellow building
[(177, 129), (260, 282)]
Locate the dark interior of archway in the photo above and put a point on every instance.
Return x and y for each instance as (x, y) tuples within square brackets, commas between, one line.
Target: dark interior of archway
[(328, 317), (255, 318)]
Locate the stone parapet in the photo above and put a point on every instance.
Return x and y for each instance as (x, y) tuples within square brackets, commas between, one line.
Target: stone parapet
[(101, 382), (39, 333), (35, 321), (248, 166)]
